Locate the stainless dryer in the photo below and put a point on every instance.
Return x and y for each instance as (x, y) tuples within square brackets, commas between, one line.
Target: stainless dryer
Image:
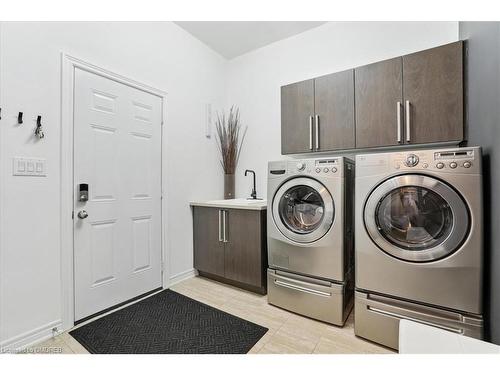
[(310, 237), (419, 242)]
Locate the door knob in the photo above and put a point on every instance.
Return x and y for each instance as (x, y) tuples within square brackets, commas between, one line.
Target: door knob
[(83, 214)]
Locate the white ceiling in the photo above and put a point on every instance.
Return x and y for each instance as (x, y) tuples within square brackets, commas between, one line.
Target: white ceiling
[(232, 39)]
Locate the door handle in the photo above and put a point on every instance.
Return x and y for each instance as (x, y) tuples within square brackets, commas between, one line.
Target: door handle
[(398, 114), (408, 121), (83, 214), (317, 131), (310, 133), (220, 225), (224, 220)]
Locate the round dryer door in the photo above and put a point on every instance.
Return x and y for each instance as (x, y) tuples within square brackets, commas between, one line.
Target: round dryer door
[(416, 218), (303, 210)]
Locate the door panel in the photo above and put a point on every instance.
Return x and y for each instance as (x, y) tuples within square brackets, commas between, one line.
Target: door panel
[(378, 89), (208, 247), (334, 108), (433, 84), (102, 247), (118, 246), (297, 107), (243, 253)]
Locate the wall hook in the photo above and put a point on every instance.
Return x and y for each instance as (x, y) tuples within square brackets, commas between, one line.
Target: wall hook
[(20, 118), (38, 130)]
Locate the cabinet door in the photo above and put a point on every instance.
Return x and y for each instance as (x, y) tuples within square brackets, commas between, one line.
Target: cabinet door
[(334, 109), (243, 260), (297, 109), (378, 89), (208, 250), (433, 85)]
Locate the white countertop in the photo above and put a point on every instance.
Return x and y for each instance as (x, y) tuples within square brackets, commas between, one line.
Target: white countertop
[(416, 338), (239, 203)]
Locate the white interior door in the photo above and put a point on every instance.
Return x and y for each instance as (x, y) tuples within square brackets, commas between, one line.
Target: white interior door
[(117, 152)]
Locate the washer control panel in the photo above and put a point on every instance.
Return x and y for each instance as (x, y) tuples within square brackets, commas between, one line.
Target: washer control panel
[(324, 167), (460, 160)]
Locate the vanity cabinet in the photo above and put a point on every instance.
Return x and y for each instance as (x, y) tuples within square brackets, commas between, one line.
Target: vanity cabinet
[(412, 99), (230, 246), (318, 114)]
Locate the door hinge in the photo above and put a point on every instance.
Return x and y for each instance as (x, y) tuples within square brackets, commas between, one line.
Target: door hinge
[(72, 215)]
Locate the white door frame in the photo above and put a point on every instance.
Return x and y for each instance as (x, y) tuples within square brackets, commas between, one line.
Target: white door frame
[(68, 65)]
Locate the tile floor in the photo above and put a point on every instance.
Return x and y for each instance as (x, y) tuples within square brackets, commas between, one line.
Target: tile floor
[(288, 332)]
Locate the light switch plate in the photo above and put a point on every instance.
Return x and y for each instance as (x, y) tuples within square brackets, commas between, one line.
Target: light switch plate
[(29, 167)]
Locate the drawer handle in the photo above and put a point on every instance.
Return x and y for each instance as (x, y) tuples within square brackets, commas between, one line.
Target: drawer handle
[(416, 320), (302, 289)]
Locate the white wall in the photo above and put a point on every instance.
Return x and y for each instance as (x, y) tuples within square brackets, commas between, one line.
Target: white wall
[(254, 79), (159, 54)]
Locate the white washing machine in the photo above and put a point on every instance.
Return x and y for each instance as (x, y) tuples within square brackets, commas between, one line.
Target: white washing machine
[(310, 237), (419, 242)]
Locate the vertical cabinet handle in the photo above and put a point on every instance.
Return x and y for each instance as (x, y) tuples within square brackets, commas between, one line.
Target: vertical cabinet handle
[(224, 222), (220, 225), (398, 114), (408, 121), (317, 131), (310, 133)]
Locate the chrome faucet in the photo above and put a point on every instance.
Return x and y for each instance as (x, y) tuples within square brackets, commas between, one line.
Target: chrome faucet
[(254, 192)]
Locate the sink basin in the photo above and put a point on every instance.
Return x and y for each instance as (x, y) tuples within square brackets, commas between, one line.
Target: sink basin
[(239, 202)]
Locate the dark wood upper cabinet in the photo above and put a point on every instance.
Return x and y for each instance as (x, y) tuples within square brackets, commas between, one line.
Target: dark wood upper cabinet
[(379, 93), (243, 255), (208, 250), (433, 94), (297, 109), (334, 111), (413, 99)]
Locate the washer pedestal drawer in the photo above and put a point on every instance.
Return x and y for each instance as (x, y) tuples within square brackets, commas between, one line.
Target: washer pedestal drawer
[(317, 299), (377, 317)]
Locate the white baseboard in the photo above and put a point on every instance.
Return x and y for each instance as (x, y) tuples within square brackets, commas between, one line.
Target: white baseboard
[(30, 338), (183, 276)]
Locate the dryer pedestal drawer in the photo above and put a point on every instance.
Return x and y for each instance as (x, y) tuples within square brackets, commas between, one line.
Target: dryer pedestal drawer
[(318, 299), (377, 318)]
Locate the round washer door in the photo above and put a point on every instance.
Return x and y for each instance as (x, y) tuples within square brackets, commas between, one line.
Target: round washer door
[(303, 210), (416, 218)]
